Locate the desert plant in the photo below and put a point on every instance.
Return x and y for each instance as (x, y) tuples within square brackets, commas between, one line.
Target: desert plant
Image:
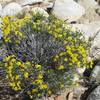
[(42, 54)]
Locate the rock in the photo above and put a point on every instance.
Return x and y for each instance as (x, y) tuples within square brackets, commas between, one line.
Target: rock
[(70, 97), (76, 0), (49, 0), (0, 34), (84, 28), (4, 2), (89, 30), (95, 48), (81, 71), (87, 4), (78, 91), (46, 5), (95, 74), (98, 11), (98, 1), (95, 94), (26, 9), (0, 9), (68, 10), (11, 9), (28, 2), (90, 6), (86, 17), (40, 10)]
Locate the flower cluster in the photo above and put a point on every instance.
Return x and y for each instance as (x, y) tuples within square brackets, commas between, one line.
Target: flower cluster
[(11, 25), (42, 54), (22, 73)]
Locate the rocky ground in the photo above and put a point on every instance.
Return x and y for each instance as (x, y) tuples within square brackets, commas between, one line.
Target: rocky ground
[(82, 15)]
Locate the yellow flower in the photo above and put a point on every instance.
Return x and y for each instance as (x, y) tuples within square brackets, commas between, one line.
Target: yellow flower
[(6, 19), (7, 40), (40, 76), (28, 63), (28, 92), (65, 59), (61, 67), (70, 64), (39, 81), (62, 54), (12, 84), (6, 64), (30, 96), (74, 59), (91, 63), (69, 38), (34, 26), (26, 74), (18, 63), (10, 64), (17, 77), (60, 36), (16, 88), (61, 85), (18, 33), (64, 35), (12, 78), (39, 94), (8, 58), (6, 31), (18, 84), (55, 59), (56, 56), (68, 47), (13, 60), (84, 60), (43, 86), (78, 64), (34, 90), (38, 66), (49, 92), (48, 28)]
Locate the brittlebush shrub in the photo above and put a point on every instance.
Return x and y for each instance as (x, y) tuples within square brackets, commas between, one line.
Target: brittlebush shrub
[(42, 54)]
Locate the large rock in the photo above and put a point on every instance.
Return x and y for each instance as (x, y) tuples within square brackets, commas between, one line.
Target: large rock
[(95, 94), (88, 3), (0, 34), (89, 30), (28, 2), (90, 14), (0, 9), (95, 75), (11, 9), (95, 48), (68, 10), (4, 2)]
